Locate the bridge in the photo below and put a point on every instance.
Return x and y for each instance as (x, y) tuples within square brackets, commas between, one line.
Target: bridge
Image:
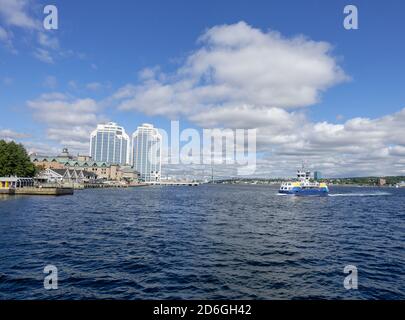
[(176, 183)]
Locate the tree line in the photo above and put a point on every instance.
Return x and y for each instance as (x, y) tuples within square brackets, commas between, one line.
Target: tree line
[(14, 160)]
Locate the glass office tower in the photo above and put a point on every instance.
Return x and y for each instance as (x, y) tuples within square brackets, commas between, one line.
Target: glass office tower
[(109, 143), (146, 152)]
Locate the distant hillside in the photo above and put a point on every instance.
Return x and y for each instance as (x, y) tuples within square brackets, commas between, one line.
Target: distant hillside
[(369, 181), (389, 180)]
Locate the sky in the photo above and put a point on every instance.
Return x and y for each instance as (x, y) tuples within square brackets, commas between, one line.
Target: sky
[(314, 91)]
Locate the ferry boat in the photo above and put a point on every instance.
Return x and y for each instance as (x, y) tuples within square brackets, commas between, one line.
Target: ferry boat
[(303, 186)]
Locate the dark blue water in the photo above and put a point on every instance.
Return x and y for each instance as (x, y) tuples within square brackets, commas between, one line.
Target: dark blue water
[(206, 242)]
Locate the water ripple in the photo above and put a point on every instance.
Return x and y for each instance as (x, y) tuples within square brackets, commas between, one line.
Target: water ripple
[(210, 242)]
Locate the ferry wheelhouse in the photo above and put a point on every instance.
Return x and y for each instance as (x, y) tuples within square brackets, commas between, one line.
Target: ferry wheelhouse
[(303, 186)]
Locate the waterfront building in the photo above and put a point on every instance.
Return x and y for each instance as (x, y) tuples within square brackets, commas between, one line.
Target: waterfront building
[(54, 162), (66, 176), (109, 143), (83, 158), (317, 175), (128, 174), (103, 170), (7, 183), (146, 154), (382, 182)]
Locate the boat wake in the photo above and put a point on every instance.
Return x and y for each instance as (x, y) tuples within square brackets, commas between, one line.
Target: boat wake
[(375, 194)]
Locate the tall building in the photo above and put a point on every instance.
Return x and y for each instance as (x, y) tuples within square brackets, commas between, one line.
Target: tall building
[(109, 143), (146, 153), (317, 175)]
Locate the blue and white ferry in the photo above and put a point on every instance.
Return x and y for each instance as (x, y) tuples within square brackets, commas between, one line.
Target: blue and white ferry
[(303, 186)]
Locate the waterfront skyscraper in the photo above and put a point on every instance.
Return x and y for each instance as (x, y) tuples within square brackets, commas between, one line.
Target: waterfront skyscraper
[(109, 143), (146, 153)]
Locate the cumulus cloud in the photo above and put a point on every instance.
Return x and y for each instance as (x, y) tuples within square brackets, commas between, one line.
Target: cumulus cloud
[(69, 120), (8, 134), (243, 77), (6, 39), (360, 146), (238, 65), (243, 117), (58, 109), (16, 13), (41, 148), (3, 34), (43, 55), (97, 86), (48, 41)]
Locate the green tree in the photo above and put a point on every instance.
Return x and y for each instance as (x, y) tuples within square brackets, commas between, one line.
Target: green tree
[(14, 160)]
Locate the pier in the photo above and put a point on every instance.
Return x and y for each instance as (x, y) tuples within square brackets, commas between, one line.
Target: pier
[(6, 191), (26, 186), (52, 191)]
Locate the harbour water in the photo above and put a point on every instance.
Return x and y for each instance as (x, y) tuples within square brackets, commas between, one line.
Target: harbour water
[(206, 242)]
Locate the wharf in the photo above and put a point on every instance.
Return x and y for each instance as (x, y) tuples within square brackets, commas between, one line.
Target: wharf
[(52, 191)]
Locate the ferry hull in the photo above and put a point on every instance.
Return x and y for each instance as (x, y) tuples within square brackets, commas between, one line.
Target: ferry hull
[(318, 192)]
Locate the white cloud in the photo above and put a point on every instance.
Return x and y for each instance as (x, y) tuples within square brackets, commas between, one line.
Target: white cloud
[(96, 86), (63, 111), (41, 148), (69, 120), (8, 134), (125, 92), (360, 146), (18, 16), (397, 150), (3, 34), (239, 65), (48, 41), (6, 38), (43, 55), (243, 117), (16, 13), (242, 77)]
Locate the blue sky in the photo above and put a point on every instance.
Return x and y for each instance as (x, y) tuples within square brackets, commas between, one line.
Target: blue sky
[(104, 46)]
